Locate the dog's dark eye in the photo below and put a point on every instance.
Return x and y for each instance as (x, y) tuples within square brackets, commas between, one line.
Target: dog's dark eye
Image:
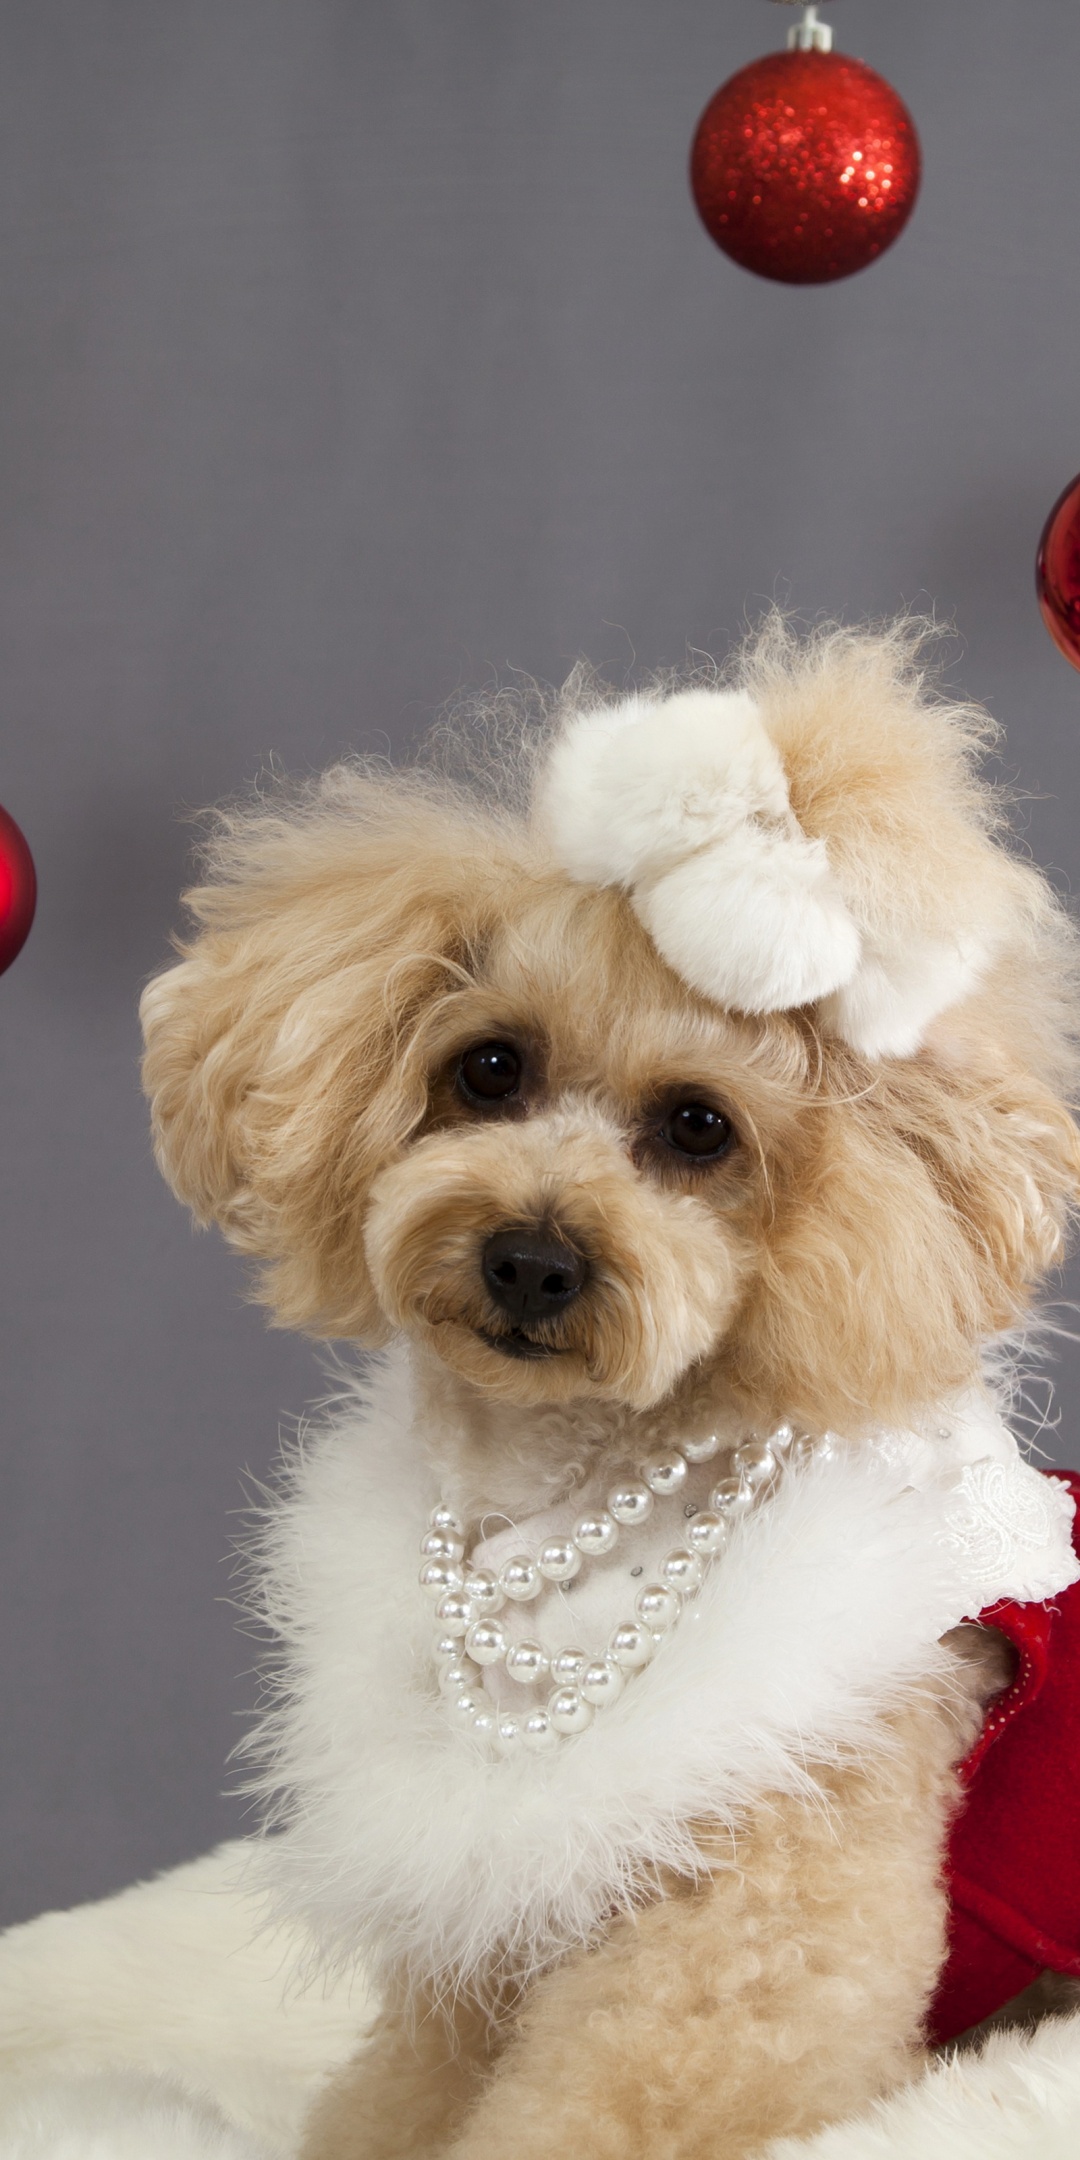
[(696, 1129), (489, 1072)]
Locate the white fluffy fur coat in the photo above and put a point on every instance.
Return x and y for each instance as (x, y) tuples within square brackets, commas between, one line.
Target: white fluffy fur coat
[(402, 1840)]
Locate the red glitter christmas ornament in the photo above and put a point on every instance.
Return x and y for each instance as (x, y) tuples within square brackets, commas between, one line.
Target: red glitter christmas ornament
[(805, 166), (18, 891), (1057, 573)]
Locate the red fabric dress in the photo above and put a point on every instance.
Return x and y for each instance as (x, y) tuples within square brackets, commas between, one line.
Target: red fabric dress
[(1013, 1860)]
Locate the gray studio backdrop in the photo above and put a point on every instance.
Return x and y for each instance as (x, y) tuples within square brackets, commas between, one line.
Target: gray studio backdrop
[(353, 352)]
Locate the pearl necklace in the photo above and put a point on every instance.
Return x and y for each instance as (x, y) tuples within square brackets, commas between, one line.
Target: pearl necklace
[(469, 1599)]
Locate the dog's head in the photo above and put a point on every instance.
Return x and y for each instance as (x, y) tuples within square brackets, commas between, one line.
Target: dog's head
[(739, 1053)]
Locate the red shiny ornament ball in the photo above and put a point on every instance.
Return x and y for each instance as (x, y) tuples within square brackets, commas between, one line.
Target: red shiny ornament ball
[(805, 166), (1057, 573), (18, 891)]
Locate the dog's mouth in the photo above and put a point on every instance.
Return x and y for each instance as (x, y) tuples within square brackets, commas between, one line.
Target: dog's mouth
[(516, 1344)]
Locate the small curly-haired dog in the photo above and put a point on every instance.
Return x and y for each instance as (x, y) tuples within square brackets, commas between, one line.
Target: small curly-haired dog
[(687, 1117)]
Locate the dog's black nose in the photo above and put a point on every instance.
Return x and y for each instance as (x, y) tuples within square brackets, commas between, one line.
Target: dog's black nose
[(531, 1275)]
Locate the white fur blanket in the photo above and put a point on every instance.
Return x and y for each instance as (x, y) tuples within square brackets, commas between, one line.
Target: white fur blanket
[(1017, 2099), (163, 2024), (154, 2027)]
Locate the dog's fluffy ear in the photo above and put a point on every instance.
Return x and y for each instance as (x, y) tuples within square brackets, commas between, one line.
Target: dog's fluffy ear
[(278, 1058), (816, 836), (938, 1198)]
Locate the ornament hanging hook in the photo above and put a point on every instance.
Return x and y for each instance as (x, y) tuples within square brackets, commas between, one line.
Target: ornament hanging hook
[(809, 35)]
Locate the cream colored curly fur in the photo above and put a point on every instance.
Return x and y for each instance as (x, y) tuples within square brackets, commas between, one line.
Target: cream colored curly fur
[(786, 1991)]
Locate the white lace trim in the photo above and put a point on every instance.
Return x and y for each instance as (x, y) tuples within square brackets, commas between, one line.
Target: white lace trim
[(1011, 1528)]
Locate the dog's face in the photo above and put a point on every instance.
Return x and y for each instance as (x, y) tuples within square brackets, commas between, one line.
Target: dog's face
[(432, 1084), (585, 1201)]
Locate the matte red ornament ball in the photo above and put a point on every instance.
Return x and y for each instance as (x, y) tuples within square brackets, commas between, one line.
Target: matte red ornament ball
[(18, 891), (805, 166), (1057, 572)]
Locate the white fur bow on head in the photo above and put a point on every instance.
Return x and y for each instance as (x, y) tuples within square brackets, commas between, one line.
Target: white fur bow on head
[(685, 803)]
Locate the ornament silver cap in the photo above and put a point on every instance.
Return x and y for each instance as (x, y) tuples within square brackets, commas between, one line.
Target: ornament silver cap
[(810, 35)]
